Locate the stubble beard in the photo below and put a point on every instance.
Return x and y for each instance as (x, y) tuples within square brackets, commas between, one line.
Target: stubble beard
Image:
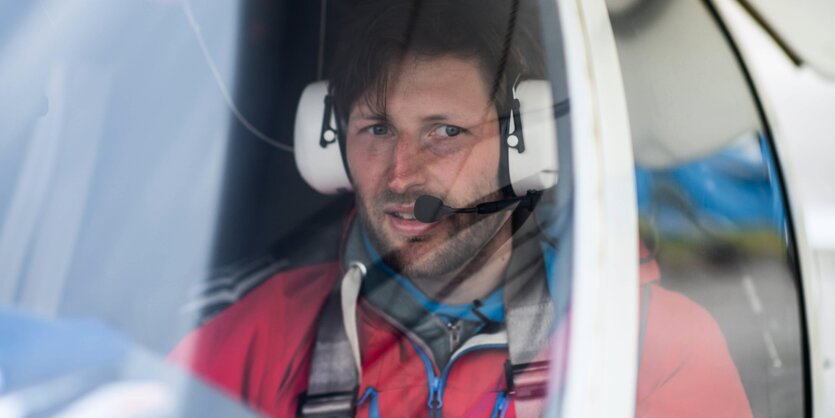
[(464, 241)]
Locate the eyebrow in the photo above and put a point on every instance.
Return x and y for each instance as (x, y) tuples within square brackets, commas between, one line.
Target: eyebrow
[(436, 117), (440, 117), (372, 116)]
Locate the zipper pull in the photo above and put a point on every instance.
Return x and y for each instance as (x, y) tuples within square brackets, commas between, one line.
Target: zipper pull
[(501, 405), (435, 401), (454, 330)]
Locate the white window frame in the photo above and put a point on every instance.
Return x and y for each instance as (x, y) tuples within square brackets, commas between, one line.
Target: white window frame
[(603, 348)]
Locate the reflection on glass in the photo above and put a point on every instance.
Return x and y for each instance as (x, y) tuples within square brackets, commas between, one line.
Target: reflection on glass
[(717, 226), (712, 222), (112, 134)]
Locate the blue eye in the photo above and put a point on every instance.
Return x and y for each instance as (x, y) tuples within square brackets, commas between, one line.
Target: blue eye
[(379, 130), (452, 130), (449, 130)]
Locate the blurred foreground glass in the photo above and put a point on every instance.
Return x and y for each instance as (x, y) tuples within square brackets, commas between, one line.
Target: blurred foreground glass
[(112, 140)]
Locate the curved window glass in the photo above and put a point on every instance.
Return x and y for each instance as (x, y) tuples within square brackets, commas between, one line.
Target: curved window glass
[(717, 248), (279, 208), (113, 132)]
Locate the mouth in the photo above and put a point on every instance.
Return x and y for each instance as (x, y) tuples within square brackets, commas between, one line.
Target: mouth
[(408, 216), (403, 222)]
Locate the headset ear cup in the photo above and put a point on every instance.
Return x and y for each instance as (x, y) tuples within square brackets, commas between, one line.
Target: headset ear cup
[(318, 142), (531, 140)]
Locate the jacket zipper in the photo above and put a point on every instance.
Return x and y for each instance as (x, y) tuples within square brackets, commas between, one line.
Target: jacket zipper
[(456, 356), (373, 407), (454, 330), (436, 383), (500, 407), (435, 402)]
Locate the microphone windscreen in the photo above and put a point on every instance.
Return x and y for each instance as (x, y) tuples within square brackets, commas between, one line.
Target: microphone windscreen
[(428, 208)]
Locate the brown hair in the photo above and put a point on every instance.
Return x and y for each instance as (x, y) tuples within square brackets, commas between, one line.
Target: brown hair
[(378, 34)]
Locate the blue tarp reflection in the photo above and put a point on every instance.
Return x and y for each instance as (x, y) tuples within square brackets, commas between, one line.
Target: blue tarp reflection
[(733, 190)]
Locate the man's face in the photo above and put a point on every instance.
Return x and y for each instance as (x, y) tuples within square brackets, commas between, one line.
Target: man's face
[(439, 135)]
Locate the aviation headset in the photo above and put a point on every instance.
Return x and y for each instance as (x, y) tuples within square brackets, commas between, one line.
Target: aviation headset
[(528, 159)]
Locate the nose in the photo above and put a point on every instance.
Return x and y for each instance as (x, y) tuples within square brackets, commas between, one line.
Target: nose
[(407, 169)]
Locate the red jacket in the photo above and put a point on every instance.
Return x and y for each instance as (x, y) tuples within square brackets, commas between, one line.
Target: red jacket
[(259, 351)]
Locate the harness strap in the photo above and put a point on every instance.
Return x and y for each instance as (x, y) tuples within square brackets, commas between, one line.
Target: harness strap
[(527, 383), (334, 372), (530, 323), (529, 320)]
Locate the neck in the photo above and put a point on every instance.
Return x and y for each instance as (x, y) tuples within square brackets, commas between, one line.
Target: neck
[(479, 277)]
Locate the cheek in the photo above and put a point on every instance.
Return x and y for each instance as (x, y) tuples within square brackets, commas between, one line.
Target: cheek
[(477, 173), (367, 165), (485, 159)]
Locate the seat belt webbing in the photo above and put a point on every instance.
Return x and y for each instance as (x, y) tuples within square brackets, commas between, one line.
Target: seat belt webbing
[(530, 323), (333, 380)]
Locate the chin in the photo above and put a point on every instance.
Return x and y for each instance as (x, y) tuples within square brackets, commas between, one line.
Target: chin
[(419, 270), (434, 263)]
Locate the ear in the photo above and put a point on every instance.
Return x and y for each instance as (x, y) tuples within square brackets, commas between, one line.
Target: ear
[(531, 138), (318, 148)]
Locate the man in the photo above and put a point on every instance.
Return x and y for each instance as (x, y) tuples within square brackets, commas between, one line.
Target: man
[(425, 307)]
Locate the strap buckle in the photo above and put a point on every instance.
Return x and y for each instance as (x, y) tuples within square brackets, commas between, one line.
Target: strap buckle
[(527, 380), (327, 405)]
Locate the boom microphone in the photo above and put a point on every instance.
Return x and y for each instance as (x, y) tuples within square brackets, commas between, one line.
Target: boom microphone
[(430, 209)]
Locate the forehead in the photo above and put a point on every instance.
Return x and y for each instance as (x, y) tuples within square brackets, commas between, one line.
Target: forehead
[(444, 84)]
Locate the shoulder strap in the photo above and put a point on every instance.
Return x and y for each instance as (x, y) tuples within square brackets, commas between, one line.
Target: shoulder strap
[(527, 370), (529, 317), (333, 380), (530, 323)]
